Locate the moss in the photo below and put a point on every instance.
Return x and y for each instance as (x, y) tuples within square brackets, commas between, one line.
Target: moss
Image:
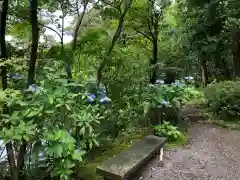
[(211, 119), (88, 170), (234, 125)]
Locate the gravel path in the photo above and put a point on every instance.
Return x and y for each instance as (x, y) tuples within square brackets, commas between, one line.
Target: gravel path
[(213, 153)]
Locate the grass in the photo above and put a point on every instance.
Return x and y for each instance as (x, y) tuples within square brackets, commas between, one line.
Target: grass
[(234, 125)]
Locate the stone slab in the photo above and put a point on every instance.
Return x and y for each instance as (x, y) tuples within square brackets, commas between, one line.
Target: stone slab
[(129, 161)]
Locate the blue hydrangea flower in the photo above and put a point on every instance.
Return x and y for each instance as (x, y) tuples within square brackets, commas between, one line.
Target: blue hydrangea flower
[(159, 81), (164, 102), (189, 78), (16, 76), (105, 100), (91, 98), (34, 88), (179, 83)]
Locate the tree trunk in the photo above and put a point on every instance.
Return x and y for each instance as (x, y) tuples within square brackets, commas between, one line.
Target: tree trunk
[(236, 51), (31, 76), (226, 71), (34, 46), (3, 50), (77, 27), (203, 62), (3, 56), (74, 41), (128, 4), (20, 160), (154, 60), (153, 28)]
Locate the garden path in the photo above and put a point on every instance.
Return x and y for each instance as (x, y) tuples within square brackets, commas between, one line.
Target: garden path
[(213, 153)]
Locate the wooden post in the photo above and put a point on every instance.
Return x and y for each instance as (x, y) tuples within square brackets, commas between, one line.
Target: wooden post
[(161, 157)]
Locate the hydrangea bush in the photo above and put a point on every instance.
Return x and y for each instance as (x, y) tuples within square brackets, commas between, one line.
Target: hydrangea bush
[(170, 97), (54, 119)]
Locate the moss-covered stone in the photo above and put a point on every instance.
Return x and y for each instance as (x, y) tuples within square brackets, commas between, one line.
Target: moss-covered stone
[(131, 159), (87, 171)]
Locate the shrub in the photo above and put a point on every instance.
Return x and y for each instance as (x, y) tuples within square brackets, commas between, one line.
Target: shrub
[(223, 99), (168, 131), (174, 95), (166, 101), (54, 121)]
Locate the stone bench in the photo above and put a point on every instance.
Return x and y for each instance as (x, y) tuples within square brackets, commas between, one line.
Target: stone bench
[(128, 162)]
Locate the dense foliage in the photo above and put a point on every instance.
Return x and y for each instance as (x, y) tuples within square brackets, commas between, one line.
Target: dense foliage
[(223, 99), (167, 130), (77, 72)]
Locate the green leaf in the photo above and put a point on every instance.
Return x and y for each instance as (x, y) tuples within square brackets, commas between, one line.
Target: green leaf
[(58, 105), (15, 116), (90, 144), (25, 112), (25, 137), (95, 142), (33, 113), (55, 149), (90, 129), (77, 155), (51, 100), (18, 137), (82, 131), (49, 112), (67, 106), (21, 103)]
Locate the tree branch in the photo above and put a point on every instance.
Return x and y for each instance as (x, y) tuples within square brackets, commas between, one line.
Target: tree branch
[(143, 33), (77, 27), (41, 24), (114, 40)]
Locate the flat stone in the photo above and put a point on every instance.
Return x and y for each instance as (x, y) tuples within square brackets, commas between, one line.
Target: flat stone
[(129, 161)]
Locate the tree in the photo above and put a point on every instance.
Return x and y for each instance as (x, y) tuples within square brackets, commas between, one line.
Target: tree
[(234, 12), (3, 57), (149, 16), (126, 6), (35, 36), (31, 75)]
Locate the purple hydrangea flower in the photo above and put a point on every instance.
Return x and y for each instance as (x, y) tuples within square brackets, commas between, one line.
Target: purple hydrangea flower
[(91, 98)]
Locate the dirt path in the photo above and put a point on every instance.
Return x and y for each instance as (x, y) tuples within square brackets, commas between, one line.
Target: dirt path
[(213, 153)]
